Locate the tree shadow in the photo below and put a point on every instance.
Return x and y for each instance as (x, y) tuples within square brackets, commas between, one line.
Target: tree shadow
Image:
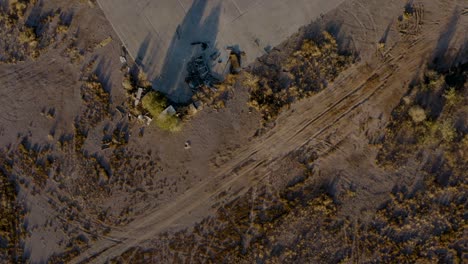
[(386, 33), (102, 71), (4, 5), (193, 29), (66, 17)]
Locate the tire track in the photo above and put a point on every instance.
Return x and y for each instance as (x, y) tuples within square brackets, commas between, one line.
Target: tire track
[(196, 197), (252, 163)]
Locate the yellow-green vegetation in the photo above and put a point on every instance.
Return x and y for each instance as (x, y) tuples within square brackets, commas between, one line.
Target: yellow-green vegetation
[(155, 103), (168, 123), (104, 42), (305, 71)]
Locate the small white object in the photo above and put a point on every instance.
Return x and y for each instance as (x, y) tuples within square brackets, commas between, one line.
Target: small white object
[(187, 144), (148, 120), (138, 96), (123, 60)]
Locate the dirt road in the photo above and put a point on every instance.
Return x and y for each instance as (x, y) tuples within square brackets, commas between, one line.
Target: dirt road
[(312, 121)]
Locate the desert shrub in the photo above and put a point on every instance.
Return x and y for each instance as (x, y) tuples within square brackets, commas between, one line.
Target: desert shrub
[(168, 123), (417, 114), (451, 97), (127, 84), (432, 81), (27, 36), (154, 102), (447, 131), (143, 79), (283, 79), (316, 63)]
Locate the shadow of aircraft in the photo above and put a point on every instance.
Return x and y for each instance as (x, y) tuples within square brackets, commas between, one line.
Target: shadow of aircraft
[(194, 28)]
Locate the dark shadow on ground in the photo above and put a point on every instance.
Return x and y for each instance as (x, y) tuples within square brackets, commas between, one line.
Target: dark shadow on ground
[(143, 50), (4, 5), (194, 28), (442, 57), (384, 37), (102, 71)]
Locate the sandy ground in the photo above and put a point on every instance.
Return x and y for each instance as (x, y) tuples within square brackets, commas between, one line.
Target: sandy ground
[(360, 100), (169, 188), (158, 34)]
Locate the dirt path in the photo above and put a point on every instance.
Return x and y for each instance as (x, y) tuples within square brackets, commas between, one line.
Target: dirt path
[(311, 121)]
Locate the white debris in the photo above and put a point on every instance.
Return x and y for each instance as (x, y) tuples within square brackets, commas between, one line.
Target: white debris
[(123, 60), (138, 96), (148, 120), (145, 119)]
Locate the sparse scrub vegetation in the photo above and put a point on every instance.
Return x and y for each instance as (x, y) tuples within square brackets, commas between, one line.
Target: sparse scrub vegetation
[(168, 123), (422, 223), (216, 96), (155, 103), (10, 217), (306, 71), (427, 223), (96, 100), (26, 34)]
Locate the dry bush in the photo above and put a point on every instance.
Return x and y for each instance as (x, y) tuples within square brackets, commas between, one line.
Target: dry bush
[(417, 114), (10, 211), (452, 98), (218, 95), (127, 83), (304, 72)]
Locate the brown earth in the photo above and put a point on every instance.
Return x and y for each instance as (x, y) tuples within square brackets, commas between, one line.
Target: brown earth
[(344, 173)]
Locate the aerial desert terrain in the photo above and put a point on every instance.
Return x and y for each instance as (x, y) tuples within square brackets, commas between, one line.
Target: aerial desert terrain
[(233, 131)]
